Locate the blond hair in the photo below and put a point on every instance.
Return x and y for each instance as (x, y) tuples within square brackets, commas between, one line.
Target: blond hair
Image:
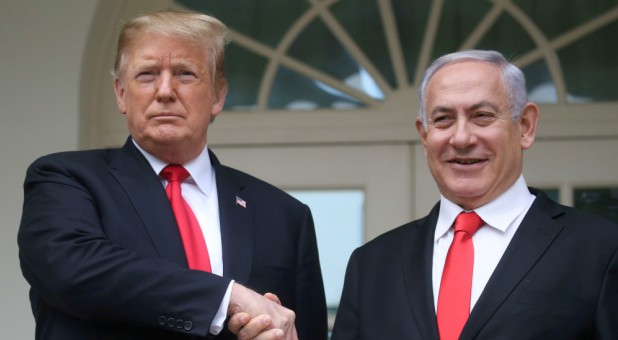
[(205, 29)]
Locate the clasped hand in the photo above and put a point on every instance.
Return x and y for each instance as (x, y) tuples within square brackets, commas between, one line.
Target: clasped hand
[(257, 317)]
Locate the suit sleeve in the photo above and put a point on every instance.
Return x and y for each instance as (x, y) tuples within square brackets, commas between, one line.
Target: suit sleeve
[(311, 318), (347, 321), (607, 313), (73, 267)]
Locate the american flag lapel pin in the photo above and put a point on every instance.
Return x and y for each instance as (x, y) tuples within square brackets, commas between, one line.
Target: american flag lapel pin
[(241, 202)]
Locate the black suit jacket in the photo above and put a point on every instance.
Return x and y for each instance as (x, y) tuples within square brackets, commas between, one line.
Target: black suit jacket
[(558, 279), (100, 247)]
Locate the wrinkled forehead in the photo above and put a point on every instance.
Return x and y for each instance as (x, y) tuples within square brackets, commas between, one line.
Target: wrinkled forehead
[(466, 84), (160, 48), (464, 74), (458, 69)]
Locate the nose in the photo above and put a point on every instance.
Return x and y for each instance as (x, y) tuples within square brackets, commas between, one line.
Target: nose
[(463, 134), (166, 91)]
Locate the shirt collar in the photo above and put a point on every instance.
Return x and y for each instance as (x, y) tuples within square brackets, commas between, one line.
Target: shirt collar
[(499, 213), (199, 168)]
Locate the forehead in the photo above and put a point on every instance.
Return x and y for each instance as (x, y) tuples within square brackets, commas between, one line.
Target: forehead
[(467, 81), (156, 47)]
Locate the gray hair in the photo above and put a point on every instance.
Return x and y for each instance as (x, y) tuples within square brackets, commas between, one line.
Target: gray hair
[(206, 29), (513, 78)]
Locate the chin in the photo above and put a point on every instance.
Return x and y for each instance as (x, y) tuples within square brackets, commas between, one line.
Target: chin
[(167, 136), (467, 193)]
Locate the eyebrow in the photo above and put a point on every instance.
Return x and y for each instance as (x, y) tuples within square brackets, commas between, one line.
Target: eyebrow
[(144, 65), (156, 63), (474, 107), (441, 109), (484, 103)]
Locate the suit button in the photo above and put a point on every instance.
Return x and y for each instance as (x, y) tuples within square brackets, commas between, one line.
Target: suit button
[(179, 324), (171, 322), (188, 325), (162, 320)]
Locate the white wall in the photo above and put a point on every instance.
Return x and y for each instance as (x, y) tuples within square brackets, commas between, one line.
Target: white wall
[(41, 50)]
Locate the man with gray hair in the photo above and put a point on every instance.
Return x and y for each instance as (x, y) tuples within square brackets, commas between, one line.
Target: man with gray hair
[(157, 239), (494, 259)]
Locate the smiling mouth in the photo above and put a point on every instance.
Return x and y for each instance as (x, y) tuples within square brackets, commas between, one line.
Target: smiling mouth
[(466, 161)]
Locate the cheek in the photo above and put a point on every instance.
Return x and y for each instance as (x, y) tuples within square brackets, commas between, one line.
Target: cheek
[(133, 121), (434, 146), (140, 93)]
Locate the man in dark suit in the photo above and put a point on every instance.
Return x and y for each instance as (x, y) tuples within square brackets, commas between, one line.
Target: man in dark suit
[(534, 270), (99, 241)]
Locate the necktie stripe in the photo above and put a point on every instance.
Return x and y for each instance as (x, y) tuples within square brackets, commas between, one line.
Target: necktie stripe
[(456, 283), (188, 226)]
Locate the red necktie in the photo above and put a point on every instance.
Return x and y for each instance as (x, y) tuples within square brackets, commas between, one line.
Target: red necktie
[(190, 231), (456, 284)]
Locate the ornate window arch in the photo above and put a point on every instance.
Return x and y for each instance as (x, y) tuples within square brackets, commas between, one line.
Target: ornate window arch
[(320, 71)]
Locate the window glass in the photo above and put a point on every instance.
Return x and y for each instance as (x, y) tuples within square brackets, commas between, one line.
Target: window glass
[(361, 20), (243, 78), (600, 201), (293, 91), (457, 21), (265, 21), (318, 47), (587, 58), (539, 83), (590, 66), (552, 193), (507, 36), (555, 17), (411, 20), (339, 225)]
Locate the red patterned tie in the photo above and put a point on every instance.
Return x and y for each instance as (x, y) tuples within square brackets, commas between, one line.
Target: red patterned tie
[(190, 231), (456, 284)]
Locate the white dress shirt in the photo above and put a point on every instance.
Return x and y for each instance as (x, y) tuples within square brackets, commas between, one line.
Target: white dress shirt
[(200, 192), (502, 216)]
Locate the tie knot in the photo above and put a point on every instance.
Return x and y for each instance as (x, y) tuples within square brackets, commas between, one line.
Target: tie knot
[(174, 173), (468, 222)]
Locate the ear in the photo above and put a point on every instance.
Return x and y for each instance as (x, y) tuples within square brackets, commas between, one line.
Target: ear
[(527, 124), (422, 132), (218, 101), (119, 92)]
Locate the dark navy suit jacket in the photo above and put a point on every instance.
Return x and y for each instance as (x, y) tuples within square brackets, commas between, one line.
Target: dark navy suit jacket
[(558, 279), (100, 247)]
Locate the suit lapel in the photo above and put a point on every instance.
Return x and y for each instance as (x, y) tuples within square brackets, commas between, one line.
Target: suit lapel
[(418, 254), (147, 195), (236, 223), (535, 234)]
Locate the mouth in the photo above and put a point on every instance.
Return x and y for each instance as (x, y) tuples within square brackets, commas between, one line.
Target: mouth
[(165, 115), (466, 162)]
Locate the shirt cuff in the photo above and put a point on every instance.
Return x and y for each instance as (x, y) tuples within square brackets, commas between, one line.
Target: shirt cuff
[(219, 320)]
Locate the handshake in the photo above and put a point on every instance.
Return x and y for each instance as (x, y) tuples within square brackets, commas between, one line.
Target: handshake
[(256, 317)]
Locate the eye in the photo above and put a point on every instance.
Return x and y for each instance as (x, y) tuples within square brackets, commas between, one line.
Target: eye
[(186, 75), (146, 76), (484, 117), (442, 120)]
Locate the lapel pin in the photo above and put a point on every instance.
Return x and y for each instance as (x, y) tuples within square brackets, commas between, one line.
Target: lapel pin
[(241, 202)]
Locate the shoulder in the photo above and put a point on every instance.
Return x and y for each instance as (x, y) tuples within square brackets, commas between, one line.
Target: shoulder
[(577, 224), (69, 158), (411, 231), (413, 237), (589, 227), (71, 163), (398, 239)]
